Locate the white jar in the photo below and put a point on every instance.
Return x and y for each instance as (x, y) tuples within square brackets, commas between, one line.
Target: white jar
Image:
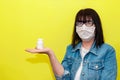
[(40, 44)]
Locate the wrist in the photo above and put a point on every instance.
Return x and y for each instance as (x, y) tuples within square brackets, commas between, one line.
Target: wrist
[(50, 52)]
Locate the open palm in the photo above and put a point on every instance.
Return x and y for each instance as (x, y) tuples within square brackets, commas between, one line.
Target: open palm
[(34, 50)]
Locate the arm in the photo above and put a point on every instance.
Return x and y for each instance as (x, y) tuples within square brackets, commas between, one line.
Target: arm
[(56, 66), (110, 66)]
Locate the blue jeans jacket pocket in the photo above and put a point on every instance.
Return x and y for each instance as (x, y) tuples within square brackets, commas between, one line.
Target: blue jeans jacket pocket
[(96, 65), (95, 69)]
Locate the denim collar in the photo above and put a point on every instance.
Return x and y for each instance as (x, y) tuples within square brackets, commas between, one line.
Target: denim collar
[(93, 49)]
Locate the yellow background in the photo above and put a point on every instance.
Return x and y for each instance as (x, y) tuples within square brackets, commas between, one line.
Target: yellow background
[(22, 22)]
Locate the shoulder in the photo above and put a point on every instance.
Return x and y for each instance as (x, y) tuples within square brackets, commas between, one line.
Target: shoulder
[(106, 46), (77, 46), (70, 46), (69, 50)]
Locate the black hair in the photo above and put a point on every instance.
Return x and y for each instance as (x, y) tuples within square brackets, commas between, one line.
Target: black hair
[(88, 12)]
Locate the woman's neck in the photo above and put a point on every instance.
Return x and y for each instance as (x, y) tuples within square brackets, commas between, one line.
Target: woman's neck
[(87, 44)]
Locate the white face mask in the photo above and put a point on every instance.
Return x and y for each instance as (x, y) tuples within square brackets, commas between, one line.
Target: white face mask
[(85, 33)]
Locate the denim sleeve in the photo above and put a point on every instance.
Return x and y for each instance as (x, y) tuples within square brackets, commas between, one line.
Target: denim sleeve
[(66, 63), (65, 76), (110, 66)]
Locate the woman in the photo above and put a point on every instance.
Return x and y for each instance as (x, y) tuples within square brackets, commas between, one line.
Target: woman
[(87, 57)]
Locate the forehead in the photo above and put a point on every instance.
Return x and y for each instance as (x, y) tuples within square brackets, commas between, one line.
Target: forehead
[(84, 18)]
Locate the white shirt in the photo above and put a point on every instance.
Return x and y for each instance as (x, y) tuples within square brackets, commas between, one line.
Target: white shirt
[(83, 53)]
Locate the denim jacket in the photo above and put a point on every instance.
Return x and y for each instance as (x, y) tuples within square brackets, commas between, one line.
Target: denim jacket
[(99, 63)]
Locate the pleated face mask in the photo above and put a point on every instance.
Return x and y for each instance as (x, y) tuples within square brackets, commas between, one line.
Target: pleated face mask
[(85, 33)]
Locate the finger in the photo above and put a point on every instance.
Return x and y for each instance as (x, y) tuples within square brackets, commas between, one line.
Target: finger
[(30, 50), (34, 50)]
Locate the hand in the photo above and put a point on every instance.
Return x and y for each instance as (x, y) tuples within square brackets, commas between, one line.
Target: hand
[(44, 50)]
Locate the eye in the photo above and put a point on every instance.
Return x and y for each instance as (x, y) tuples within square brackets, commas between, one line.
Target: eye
[(79, 22), (89, 21)]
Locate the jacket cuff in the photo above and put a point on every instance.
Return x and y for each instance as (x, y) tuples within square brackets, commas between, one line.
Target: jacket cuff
[(61, 77)]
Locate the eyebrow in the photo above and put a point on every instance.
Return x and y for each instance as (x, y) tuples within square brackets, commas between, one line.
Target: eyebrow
[(86, 20)]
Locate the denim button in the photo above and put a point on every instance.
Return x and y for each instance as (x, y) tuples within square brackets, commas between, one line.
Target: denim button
[(96, 66), (83, 73), (85, 61)]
